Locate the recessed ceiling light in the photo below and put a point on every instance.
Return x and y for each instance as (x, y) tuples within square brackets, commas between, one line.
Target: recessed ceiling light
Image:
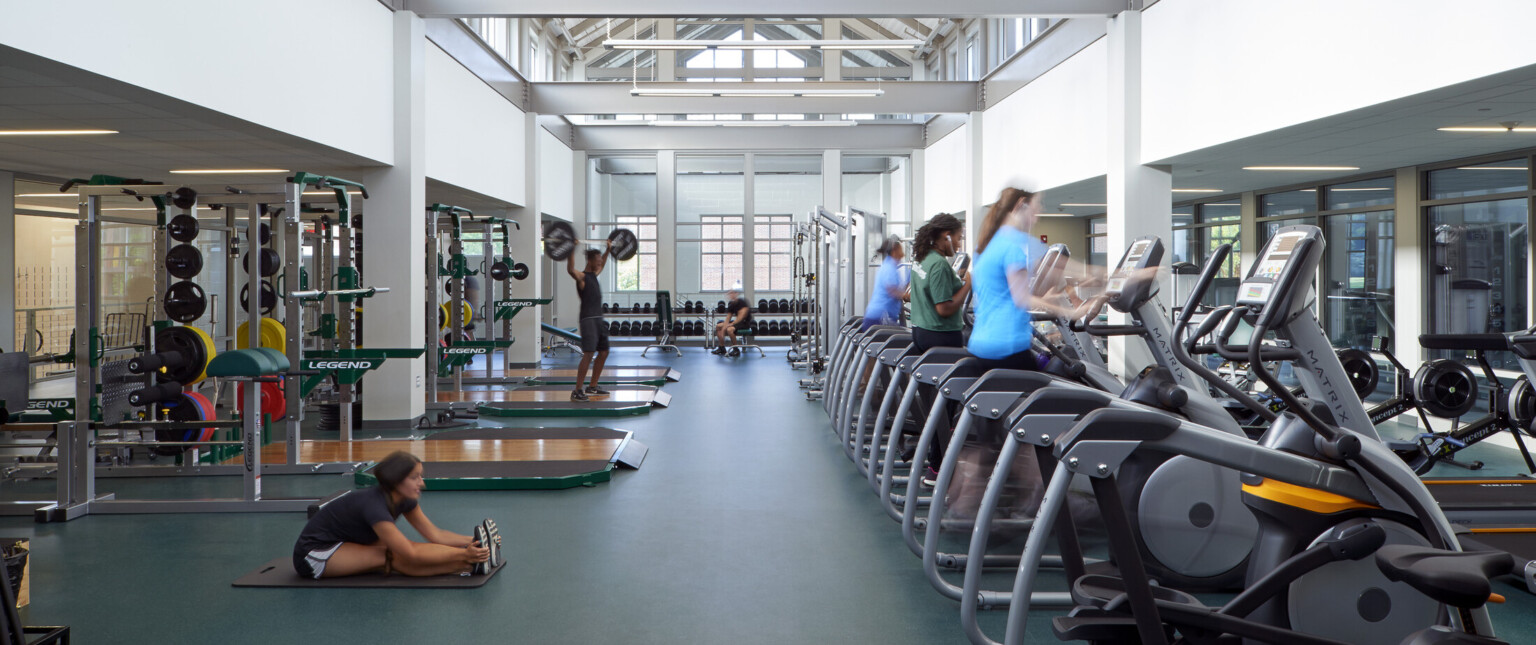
[(1317, 168), (1488, 128), (1056, 215), (700, 44), (1355, 190), (1066, 205), (1197, 190), (28, 133), (701, 123), (231, 171), (46, 195)]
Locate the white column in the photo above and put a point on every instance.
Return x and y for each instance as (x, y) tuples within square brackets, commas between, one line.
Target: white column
[(831, 60), (976, 200), (916, 207), (394, 239), (666, 59), (524, 351), (8, 262), (1140, 197), (1410, 254), (832, 180), (1248, 231), (748, 235), (666, 222), (566, 308)]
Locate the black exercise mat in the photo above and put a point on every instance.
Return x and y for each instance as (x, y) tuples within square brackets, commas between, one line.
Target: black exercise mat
[(508, 469), (481, 434), (279, 573)]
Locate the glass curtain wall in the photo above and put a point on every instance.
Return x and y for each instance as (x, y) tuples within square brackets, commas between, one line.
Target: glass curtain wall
[(1478, 219), (1198, 229), (784, 188), (622, 194), (1358, 221)]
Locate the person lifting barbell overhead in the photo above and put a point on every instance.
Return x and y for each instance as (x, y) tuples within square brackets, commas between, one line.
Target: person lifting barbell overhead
[(594, 330), (356, 533)]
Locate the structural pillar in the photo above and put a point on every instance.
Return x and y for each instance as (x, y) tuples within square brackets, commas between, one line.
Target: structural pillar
[(666, 222), (394, 240), (976, 198), (8, 263), (1140, 197), (1411, 253), (527, 243), (748, 219)]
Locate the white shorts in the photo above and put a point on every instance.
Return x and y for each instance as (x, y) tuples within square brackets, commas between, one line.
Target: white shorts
[(317, 559)]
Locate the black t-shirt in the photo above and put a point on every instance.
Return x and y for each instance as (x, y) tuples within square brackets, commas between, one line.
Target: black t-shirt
[(591, 296), (738, 305), (349, 518)]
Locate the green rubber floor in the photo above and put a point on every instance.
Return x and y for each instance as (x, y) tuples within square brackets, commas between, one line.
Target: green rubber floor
[(746, 524)]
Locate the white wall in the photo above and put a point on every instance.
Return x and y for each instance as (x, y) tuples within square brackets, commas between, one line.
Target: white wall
[(945, 182), (234, 57), (475, 137), (1218, 70), (1052, 131), (557, 168)]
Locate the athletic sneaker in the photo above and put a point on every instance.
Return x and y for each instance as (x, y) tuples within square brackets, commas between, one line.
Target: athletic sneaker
[(593, 389), (930, 477), (493, 536), (579, 395), (718, 351), (481, 568), (735, 351)]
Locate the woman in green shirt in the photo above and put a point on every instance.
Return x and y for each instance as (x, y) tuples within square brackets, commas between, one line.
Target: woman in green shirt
[(938, 295)]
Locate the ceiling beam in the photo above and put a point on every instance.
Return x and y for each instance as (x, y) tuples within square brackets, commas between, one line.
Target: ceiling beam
[(595, 97), (796, 8), (916, 26), (892, 138), (879, 30)]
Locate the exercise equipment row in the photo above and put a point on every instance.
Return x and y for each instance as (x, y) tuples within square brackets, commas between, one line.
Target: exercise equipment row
[(682, 329), (560, 242)]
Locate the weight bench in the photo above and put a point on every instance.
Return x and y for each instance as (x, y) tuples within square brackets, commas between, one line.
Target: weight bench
[(561, 339), (663, 325), (744, 340)]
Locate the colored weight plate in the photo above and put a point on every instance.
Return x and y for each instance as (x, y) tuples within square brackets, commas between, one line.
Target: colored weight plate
[(467, 313), (184, 261), (273, 335), (273, 401), (205, 407), (182, 228), (185, 302), (195, 346), (182, 408)]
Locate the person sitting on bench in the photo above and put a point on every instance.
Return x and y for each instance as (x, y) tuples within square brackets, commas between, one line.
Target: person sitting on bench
[(356, 532), (739, 317)]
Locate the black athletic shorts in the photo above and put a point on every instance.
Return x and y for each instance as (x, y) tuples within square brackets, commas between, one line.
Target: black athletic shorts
[(594, 335)]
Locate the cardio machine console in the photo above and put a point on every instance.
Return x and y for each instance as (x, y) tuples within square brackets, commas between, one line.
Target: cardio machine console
[(1047, 274), (1285, 257), (1132, 282)]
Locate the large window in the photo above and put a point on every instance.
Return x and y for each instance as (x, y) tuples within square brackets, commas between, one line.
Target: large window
[(1198, 229), (1478, 217), (711, 216), (784, 188), (878, 184), (1356, 287), (622, 193)]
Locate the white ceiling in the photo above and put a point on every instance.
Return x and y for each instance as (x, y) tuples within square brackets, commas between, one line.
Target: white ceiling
[(1381, 137)]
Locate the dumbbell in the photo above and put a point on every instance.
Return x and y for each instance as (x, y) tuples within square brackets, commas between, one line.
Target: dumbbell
[(560, 242), (607, 308), (646, 308), (783, 306), (762, 305), (720, 307)]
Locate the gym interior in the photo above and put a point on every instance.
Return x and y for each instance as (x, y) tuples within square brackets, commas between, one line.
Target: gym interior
[(1104, 321)]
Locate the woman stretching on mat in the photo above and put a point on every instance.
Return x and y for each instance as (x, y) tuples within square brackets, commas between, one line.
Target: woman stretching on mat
[(356, 533)]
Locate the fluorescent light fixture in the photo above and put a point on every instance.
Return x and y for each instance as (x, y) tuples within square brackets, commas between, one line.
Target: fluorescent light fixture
[(1224, 204), (127, 209), (745, 92), (29, 133), (1355, 190), (231, 171), (1488, 128), (1066, 205), (1316, 168), (1460, 168), (702, 123), (46, 195), (1056, 215), (1197, 190), (682, 44)]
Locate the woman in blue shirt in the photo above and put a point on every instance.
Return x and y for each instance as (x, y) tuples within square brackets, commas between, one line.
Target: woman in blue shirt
[(890, 286), (1007, 254)]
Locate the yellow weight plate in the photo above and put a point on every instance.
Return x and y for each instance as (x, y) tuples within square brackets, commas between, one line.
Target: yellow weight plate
[(202, 373), (273, 335), (442, 316)]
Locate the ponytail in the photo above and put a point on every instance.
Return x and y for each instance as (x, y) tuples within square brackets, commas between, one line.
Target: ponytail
[(1006, 202), (928, 235)]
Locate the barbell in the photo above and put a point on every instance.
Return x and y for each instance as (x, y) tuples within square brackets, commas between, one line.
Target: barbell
[(560, 242)]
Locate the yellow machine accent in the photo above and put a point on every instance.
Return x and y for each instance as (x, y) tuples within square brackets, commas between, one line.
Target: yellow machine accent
[(1310, 499)]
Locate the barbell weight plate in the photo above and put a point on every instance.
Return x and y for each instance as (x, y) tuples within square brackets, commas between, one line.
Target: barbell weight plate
[(208, 412), (467, 313), (184, 408), (1445, 388), (185, 302), (273, 335), (270, 262), (519, 271), (1363, 372), (559, 241), (263, 234), (500, 271), (625, 244), (184, 261), (184, 198), (182, 228), (196, 349), (1521, 403), (273, 401), (268, 298)]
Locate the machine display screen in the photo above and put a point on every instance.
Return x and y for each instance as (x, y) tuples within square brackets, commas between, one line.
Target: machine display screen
[(1131, 262), (1256, 290)]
